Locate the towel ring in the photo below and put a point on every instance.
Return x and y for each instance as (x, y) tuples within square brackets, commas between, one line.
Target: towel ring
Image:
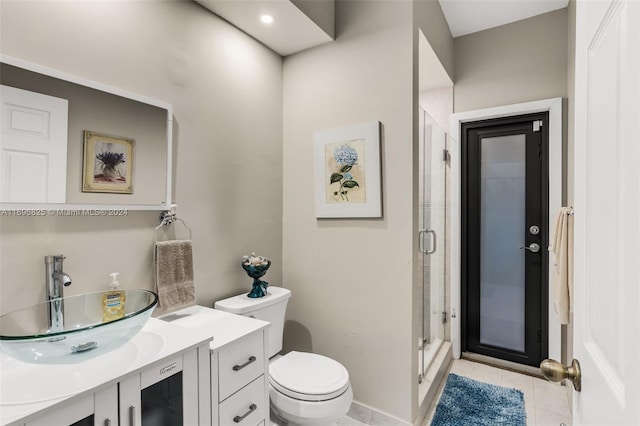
[(167, 218)]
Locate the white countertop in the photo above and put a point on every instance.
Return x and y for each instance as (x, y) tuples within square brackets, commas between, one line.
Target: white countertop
[(26, 389), (226, 328)]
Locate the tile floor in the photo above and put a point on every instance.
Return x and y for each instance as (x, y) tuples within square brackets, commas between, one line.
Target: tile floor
[(546, 403), (357, 416)]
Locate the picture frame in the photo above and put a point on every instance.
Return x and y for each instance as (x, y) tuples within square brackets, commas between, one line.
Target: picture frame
[(108, 163), (347, 172)]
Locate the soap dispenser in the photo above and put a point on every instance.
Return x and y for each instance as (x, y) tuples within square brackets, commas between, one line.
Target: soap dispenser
[(113, 300)]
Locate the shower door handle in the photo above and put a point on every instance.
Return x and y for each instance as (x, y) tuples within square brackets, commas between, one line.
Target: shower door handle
[(421, 241)]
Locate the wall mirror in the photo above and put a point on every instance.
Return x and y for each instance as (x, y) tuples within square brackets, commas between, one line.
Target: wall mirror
[(70, 142)]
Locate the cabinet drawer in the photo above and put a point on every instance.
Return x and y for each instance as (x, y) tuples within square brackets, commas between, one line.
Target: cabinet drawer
[(245, 408), (240, 363)]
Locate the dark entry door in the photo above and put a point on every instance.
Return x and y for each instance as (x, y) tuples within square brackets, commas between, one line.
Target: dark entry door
[(504, 238)]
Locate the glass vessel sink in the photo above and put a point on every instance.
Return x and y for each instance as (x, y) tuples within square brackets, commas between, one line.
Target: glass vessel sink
[(25, 334)]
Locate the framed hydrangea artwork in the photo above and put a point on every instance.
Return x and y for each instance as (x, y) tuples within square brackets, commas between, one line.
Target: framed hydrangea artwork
[(347, 171)]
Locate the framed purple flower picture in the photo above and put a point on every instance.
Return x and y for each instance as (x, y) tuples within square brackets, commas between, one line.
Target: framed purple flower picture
[(347, 171), (108, 164)]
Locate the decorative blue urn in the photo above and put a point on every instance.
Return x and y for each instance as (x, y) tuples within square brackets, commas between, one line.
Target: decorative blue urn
[(256, 267)]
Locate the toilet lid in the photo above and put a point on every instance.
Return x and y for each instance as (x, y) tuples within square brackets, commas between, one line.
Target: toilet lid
[(308, 377)]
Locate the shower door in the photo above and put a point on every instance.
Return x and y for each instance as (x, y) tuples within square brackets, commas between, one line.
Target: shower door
[(431, 238)]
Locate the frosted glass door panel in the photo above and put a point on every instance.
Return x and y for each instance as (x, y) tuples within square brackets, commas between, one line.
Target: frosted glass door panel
[(502, 267)]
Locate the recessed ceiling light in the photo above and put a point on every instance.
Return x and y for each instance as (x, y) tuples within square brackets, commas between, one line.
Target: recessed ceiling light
[(266, 19)]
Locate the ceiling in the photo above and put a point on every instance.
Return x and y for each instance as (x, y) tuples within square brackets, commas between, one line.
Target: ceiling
[(470, 16), (300, 24), (294, 27)]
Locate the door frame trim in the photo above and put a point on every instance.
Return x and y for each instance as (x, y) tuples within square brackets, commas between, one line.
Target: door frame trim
[(556, 183)]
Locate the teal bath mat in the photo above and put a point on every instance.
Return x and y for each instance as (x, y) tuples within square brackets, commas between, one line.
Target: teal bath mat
[(467, 402)]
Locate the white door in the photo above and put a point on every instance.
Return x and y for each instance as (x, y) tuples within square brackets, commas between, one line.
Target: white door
[(33, 148), (607, 212)]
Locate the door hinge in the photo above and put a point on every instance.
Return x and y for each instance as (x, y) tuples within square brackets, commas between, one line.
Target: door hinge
[(444, 317), (536, 125), (445, 155)]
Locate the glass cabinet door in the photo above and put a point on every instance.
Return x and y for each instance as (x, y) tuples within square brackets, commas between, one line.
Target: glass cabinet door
[(87, 421), (161, 403), (164, 395)]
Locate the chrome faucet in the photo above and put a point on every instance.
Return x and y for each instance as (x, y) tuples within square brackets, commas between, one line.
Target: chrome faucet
[(55, 280)]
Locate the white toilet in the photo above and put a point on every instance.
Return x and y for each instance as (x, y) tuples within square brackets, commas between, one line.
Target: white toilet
[(304, 388)]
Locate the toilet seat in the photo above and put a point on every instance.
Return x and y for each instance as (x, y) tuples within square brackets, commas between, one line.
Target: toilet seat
[(308, 377)]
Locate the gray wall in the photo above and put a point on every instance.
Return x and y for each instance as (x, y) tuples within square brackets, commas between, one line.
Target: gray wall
[(429, 18), (351, 280), (438, 103), (322, 13), (519, 62), (226, 91)]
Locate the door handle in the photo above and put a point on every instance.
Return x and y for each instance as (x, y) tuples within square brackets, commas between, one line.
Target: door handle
[(533, 248), (553, 371), (421, 244)]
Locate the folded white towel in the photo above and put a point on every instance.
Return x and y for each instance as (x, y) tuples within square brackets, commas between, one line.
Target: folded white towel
[(561, 245), (173, 261)]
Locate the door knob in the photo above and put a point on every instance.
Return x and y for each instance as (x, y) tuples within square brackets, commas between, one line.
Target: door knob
[(553, 371), (533, 247)]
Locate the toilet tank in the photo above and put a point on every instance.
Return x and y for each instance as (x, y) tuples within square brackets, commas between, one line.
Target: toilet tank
[(271, 308)]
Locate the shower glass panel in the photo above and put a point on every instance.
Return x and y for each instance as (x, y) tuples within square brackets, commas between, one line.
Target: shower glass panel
[(502, 173), (431, 238)]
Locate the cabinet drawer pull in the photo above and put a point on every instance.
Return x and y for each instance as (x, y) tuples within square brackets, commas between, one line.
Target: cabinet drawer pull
[(240, 367), (252, 408)]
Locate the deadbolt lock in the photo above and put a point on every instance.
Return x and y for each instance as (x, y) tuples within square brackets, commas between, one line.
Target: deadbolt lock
[(534, 230)]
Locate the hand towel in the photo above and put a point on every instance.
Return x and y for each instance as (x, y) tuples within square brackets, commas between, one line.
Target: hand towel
[(561, 245), (173, 261)]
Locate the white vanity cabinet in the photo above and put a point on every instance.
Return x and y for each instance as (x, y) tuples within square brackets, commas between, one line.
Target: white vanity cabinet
[(162, 376), (175, 390), (99, 409), (239, 365), (189, 377), (241, 391)]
